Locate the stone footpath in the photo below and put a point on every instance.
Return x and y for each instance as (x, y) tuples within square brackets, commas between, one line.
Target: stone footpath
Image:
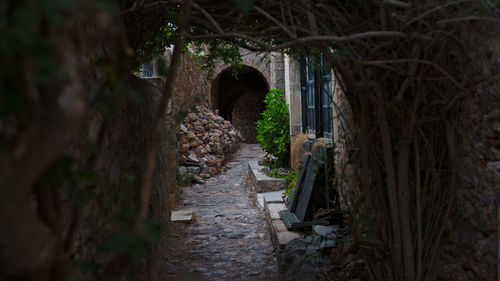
[(229, 239)]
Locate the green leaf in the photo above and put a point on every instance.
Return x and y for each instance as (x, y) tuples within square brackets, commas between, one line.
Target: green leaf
[(273, 128), (125, 242), (179, 117)]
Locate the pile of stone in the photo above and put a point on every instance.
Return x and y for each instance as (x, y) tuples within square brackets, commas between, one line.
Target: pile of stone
[(205, 143), (328, 251)]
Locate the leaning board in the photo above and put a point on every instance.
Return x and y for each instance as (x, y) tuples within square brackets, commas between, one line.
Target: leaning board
[(298, 185), (306, 190)]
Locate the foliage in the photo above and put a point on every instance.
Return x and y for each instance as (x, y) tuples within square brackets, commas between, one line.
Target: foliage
[(76, 199), (185, 179), (208, 53), (157, 40), (244, 5), (291, 180), (23, 42), (290, 177), (273, 129)]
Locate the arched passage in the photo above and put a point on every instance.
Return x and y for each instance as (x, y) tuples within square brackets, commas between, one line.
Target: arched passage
[(240, 99)]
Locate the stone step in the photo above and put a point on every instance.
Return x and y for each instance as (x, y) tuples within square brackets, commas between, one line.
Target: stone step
[(269, 197), (279, 233), (261, 181)]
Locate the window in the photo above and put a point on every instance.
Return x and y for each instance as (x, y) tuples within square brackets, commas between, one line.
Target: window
[(308, 96), (316, 85), (147, 69)]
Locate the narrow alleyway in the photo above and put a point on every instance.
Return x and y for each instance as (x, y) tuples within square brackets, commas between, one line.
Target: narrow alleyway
[(229, 239)]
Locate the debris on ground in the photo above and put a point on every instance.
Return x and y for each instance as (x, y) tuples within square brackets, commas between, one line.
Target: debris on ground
[(319, 257), (182, 215)]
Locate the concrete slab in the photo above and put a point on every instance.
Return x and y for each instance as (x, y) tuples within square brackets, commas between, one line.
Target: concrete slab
[(260, 201), (279, 226), (285, 237), (182, 215), (273, 209), (273, 196), (262, 182), (325, 230), (276, 206), (279, 233)]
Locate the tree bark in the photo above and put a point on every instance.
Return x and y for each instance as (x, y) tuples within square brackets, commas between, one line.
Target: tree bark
[(391, 182)]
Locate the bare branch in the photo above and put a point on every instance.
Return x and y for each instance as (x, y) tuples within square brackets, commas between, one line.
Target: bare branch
[(472, 18), (396, 3), (277, 22), (437, 8), (209, 17), (316, 38), (418, 61)]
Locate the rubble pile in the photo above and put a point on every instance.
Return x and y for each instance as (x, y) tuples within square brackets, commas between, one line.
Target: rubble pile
[(205, 143)]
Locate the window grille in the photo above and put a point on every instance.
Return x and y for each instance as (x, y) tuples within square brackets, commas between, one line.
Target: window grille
[(147, 69)]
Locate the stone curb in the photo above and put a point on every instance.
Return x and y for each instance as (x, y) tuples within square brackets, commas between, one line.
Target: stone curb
[(279, 233), (261, 181)]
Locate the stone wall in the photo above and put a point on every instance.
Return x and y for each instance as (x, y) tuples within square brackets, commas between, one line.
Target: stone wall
[(260, 63), (471, 238), (277, 71), (293, 94), (125, 140), (192, 86), (241, 99), (246, 112)]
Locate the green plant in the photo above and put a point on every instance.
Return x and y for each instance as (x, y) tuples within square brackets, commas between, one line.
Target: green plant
[(273, 129), (290, 177), (185, 179), (291, 180)]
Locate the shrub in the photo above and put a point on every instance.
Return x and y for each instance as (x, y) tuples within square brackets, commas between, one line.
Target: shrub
[(273, 129), (185, 179)]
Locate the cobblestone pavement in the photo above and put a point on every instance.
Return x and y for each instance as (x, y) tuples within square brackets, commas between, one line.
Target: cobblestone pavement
[(230, 238)]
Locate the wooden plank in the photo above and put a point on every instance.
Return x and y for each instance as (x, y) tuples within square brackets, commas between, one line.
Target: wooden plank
[(292, 223), (298, 185), (305, 194), (288, 218), (300, 225), (320, 156), (306, 146)]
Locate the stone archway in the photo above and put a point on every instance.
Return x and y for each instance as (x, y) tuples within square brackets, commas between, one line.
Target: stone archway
[(240, 98)]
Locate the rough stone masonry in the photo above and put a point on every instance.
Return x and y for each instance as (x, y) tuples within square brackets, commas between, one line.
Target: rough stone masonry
[(205, 143)]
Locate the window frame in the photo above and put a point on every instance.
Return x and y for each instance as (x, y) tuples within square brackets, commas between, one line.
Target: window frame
[(316, 96)]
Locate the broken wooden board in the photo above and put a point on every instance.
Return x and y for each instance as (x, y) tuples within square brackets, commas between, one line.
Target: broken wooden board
[(292, 223)]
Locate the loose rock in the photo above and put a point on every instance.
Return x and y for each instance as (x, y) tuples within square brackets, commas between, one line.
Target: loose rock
[(205, 140)]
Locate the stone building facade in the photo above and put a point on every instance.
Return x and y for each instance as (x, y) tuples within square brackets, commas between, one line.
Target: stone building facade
[(471, 247), (471, 239), (240, 98)]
